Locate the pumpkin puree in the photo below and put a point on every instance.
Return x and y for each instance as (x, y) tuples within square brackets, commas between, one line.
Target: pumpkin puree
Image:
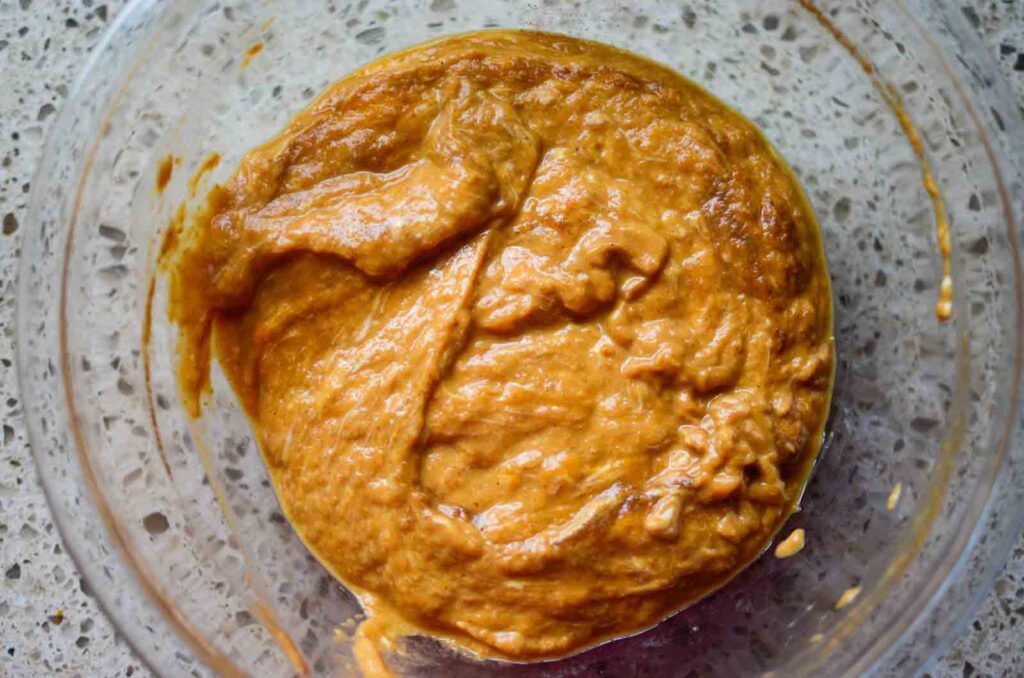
[(534, 336)]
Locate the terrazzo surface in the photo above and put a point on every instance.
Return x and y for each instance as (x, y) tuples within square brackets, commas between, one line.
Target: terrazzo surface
[(50, 625)]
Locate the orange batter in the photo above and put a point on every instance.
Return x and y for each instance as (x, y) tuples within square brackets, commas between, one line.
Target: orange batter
[(534, 335)]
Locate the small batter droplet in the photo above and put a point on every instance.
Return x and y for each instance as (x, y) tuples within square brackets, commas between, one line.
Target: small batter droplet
[(791, 545), (849, 595), (894, 497)]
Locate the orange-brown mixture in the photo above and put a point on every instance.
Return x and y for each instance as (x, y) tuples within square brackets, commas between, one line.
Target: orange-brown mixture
[(534, 335)]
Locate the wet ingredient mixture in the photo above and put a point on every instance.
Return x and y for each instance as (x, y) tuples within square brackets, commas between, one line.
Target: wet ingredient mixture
[(534, 336)]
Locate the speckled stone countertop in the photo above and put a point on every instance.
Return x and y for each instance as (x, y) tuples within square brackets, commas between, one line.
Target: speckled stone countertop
[(50, 625)]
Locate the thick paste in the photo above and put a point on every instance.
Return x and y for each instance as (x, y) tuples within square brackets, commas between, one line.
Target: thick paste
[(534, 335)]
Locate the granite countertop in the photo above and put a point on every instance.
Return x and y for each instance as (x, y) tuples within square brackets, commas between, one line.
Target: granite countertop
[(50, 625)]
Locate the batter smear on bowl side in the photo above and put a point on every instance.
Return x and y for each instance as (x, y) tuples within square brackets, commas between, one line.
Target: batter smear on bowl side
[(534, 336)]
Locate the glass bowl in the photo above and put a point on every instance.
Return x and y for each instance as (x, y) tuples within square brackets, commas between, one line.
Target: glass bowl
[(173, 523)]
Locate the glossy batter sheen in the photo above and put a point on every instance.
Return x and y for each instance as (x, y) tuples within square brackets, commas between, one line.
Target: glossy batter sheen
[(534, 335)]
